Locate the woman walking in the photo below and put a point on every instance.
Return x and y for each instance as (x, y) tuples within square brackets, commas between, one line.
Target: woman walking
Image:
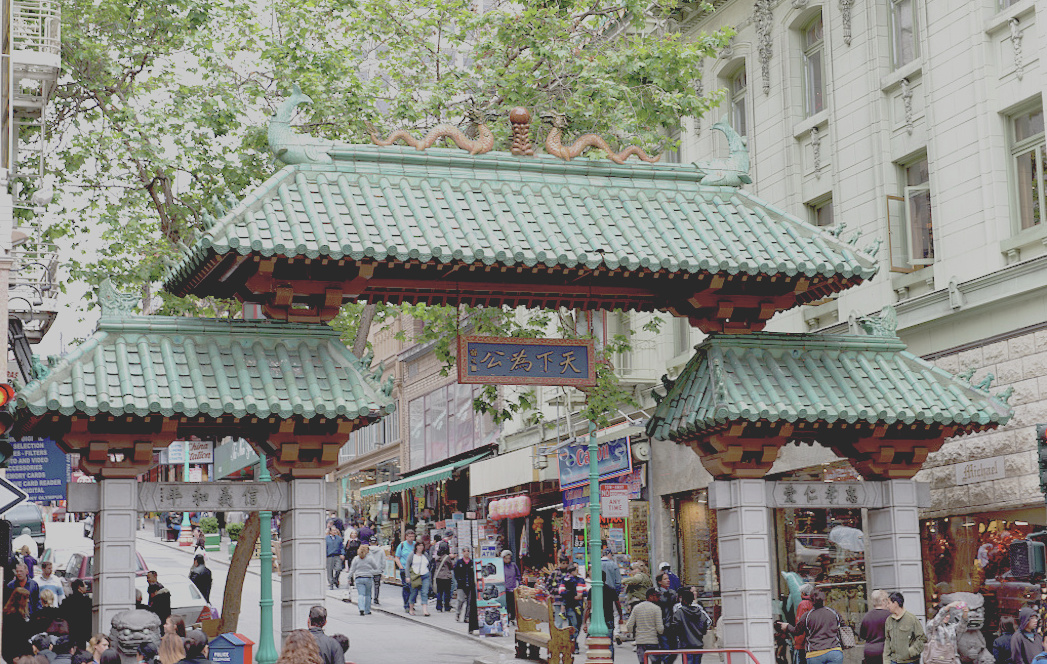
[(512, 580), (419, 577), (465, 577), (443, 575), (361, 573)]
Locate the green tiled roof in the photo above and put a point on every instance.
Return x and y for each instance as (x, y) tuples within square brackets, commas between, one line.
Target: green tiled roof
[(812, 378), (142, 365), (446, 206)]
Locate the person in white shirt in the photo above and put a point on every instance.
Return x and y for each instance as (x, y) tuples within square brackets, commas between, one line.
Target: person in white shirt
[(50, 582), (418, 568), (378, 556)]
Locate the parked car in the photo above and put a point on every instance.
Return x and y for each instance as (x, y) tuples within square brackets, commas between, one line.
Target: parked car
[(186, 599), (81, 566), (28, 515), (59, 555)]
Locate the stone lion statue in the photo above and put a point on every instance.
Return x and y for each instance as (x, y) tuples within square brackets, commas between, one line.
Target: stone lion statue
[(131, 629)]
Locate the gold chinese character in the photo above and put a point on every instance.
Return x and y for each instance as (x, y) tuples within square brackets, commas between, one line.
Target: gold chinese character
[(545, 358), (490, 359), (568, 361), (520, 361)]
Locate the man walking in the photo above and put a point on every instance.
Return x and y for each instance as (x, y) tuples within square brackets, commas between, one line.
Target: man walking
[(22, 580), (50, 582), (403, 552), (667, 600), (645, 622), (200, 575), (335, 556), (904, 638), (159, 597), (1026, 643), (330, 651), (610, 568), (377, 556), (76, 610)]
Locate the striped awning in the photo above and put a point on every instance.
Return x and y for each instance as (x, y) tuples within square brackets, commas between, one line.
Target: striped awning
[(433, 475), (374, 489)]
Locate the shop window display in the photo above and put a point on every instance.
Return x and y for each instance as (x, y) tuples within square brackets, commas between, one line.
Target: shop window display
[(972, 554)]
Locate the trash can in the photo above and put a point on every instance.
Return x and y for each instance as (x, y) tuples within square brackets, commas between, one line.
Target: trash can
[(231, 648)]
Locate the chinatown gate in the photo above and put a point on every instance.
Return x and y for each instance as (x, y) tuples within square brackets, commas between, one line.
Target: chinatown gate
[(474, 226)]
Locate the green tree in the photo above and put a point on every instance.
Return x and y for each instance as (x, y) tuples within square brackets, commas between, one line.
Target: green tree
[(160, 118)]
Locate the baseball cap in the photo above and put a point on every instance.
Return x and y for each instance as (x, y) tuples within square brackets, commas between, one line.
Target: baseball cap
[(663, 566)]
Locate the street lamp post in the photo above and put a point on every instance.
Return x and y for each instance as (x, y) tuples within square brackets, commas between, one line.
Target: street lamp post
[(266, 647), (598, 643)]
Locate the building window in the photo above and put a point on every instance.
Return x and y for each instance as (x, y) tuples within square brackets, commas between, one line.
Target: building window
[(903, 32), (1004, 4), (813, 66), (739, 88), (1028, 150), (821, 212), (444, 424), (681, 336), (910, 227)]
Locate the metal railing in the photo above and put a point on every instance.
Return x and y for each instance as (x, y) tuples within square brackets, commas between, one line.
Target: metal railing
[(36, 25), (701, 651)]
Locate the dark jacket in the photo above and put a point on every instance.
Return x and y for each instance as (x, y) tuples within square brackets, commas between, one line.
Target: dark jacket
[(330, 651), (1025, 645), (200, 575), (873, 631), (1001, 648), (465, 574), (76, 609), (334, 545), (34, 593), (689, 625), (667, 601), (160, 601), (821, 629)]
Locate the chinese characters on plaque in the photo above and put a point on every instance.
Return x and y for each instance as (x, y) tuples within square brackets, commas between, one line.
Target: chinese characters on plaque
[(512, 361), (824, 494)]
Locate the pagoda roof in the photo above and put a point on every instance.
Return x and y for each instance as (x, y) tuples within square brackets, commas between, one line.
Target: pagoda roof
[(191, 369), (865, 397), (396, 224)]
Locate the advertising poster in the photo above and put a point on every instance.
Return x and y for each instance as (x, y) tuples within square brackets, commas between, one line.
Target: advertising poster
[(40, 469), (490, 596)]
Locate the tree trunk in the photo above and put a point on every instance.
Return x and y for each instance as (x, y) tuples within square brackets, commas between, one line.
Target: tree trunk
[(363, 329), (234, 580)]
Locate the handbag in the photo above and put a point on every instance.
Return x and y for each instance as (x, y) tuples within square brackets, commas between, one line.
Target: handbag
[(847, 637), (416, 579)]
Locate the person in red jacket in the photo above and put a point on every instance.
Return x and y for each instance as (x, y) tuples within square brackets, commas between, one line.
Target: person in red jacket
[(799, 655)]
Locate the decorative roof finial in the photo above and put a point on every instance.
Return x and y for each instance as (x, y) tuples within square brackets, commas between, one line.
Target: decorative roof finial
[(114, 303), (289, 146), (730, 172), (520, 117), (884, 325)]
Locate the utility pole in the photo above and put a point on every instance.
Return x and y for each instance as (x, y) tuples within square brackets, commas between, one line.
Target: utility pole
[(598, 642), (266, 647)]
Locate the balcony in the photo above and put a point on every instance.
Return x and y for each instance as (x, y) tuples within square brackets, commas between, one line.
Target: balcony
[(33, 289), (36, 37)]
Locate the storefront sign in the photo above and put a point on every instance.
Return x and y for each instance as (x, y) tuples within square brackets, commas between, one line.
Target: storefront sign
[(39, 468), (614, 501), (233, 456), (200, 451), (824, 494), (639, 535), (613, 460), (512, 361), (578, 497), (982, 470)]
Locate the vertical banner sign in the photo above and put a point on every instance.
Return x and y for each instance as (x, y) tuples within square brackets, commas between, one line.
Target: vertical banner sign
[(40, 469), (512, 361)]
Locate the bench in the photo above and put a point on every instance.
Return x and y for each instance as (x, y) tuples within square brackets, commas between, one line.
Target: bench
[(534, 609)]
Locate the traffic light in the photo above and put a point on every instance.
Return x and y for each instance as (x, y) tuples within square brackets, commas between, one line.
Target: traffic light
[(1041, 454), (7, 420), (1027, 559)]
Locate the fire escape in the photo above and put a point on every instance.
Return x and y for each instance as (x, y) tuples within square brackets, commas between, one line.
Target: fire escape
[(31, 42)]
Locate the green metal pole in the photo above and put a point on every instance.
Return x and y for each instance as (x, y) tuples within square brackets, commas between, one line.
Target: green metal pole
[(597, 621), (267, 653), (186, 535)]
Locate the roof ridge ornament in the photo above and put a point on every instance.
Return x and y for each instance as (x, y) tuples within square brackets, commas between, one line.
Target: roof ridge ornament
[(555, 146), (288, 145), (520, 119), (484, 142), (115, 304), (730, 172), (884, 325)]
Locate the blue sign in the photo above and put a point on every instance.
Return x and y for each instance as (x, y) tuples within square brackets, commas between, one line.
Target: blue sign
[(40, 469), (512, 361), (613, 460)]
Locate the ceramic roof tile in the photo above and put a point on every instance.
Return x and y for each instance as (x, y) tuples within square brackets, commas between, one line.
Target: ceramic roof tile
[(807, 377), (374, 202), (186, 366)]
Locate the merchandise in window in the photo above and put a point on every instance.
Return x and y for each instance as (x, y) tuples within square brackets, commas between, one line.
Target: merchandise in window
[(1028, 151)]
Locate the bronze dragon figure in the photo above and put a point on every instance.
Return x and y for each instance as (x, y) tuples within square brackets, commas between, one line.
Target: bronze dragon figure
[(484, 142), (555, 146)]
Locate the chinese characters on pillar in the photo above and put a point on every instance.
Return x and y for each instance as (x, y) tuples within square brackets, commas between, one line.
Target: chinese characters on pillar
[(511, 361), (825, 494)]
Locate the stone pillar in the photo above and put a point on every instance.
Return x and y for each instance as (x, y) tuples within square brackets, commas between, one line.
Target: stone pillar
[(893, 557), (303, 582), (745, 535), (114, 556)]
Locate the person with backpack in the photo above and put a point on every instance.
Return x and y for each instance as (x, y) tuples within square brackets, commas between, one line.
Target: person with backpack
[(689, 624), (821, 629), (443, 574)]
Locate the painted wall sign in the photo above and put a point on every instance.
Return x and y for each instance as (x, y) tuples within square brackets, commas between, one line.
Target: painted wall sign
[(613, 460), (981, 470), (512, 361), (40, 469)]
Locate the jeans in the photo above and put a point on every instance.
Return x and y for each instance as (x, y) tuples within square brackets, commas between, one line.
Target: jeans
[(377, 586), (799, 657), (463, 603), (334, 570), (364, 588), (421, 594), (692, 659), (443, 594), (406, 587), (831, 657), (666, 643), (641, 648), (574, 619)]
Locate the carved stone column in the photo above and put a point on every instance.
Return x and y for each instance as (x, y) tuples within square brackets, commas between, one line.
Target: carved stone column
[(893, 558), (114, 553), (744, 530), (302, 553)]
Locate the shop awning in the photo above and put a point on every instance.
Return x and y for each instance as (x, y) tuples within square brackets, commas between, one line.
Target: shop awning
[(503, 471), (433, 475), (374, 489)]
